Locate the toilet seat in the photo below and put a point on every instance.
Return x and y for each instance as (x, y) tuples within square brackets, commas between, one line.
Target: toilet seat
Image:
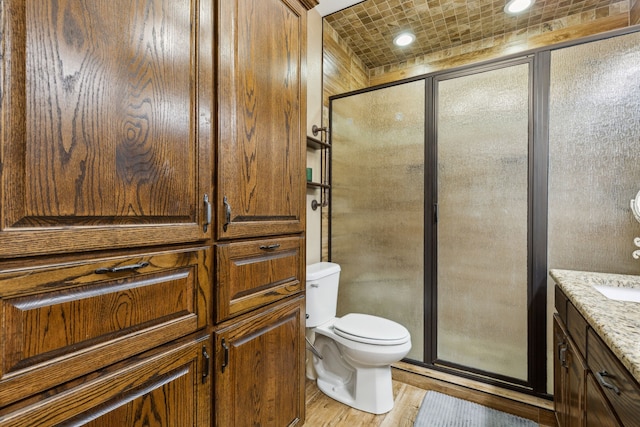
[(370, 329)]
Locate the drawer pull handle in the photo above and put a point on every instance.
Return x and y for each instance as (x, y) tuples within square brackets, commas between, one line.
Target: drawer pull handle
[(207, 212), (225, 361), (269, 247), (131, 267), (604, 383), (205, 371), (227, 213)]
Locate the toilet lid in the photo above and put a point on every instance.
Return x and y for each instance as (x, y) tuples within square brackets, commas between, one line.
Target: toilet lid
[(371, 329)]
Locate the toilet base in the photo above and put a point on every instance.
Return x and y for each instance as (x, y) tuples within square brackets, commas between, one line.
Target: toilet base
[(371, 390), (368, 388)]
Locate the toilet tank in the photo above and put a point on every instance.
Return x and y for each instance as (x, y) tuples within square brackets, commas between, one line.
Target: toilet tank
[(322, 292)]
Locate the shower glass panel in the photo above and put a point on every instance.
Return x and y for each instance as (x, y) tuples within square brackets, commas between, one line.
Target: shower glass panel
[(594, 134), (377, 204), (482, 228)]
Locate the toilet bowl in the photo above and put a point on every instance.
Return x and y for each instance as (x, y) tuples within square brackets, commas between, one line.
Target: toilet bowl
[(353, 353)]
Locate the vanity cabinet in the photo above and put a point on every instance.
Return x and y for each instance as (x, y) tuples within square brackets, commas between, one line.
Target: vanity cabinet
[(570, 375), (597, 393)]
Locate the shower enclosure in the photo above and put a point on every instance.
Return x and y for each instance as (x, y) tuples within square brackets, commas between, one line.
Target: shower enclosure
[(453, 193), (443, 252)]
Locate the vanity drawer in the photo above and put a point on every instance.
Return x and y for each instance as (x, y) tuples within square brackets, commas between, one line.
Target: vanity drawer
[(62, 321), (561, 302), (253, 273), (577, 327), (625, 399)]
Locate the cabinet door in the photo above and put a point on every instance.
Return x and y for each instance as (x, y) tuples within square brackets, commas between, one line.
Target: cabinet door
[(259, 367), (62, 321), (262, 104), (106, 112), (569, 379), (560, 376), (576, 377), (599, 414), (170, 386)]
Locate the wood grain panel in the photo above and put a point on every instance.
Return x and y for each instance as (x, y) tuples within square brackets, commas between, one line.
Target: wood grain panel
[(252, 274), (259, 362), (626, 400), (599, 414), (634, 13), (577, 328), (62, 321), (164, 388), (106, 132), (261, 185)]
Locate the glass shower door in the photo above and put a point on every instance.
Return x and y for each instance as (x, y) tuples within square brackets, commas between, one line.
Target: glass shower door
[(377, 204), (482, 152)]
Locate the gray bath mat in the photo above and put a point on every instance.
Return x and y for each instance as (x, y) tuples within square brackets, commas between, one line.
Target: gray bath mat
[(440, 410)]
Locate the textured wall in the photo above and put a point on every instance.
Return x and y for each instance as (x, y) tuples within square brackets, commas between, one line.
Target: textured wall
[(342, 72), (594, 140)]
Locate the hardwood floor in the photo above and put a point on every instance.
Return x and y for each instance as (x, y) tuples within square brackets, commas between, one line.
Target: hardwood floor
[(322, 411)]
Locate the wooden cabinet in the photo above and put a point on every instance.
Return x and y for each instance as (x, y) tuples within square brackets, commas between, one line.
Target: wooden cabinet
[(618, 386), (106, 110), (168, 386), (597, 393), (570, 374), (106, 206), (253, 273), (599, 413), (61, 321), (260, 367), (260, 212), (262, 114)]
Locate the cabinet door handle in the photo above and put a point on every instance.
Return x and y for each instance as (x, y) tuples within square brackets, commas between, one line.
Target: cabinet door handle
[(205, 370), (227, 213), (606, 384), (207, 211), (225, 360), (269, 247), (563, 357), (120, 269)]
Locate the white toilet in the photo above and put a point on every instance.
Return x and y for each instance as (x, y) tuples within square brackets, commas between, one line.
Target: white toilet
[(356, 349)]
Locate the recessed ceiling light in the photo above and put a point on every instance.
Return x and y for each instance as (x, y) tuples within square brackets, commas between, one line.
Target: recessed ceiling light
[(404, 39), (516, 6)]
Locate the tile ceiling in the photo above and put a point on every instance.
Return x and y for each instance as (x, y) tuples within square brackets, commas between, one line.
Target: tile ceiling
[(369, 27)]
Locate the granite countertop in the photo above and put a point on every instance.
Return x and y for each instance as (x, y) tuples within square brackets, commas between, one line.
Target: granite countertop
[(616, 322)]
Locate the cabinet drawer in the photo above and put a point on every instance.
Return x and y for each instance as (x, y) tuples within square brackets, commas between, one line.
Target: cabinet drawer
[(625, 400), (168, 386), (561, 304), (254, 273), (64, 321), (577, 328)]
